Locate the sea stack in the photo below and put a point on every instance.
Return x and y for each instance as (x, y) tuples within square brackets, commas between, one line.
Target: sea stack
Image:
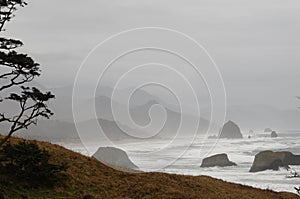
[(269, 160), (268, 130), (231, 130), (274, 134), (114, 157), (220, 160)]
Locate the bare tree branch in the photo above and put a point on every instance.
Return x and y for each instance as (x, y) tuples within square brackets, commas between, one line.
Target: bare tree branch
[(32, 104), (20, 69)]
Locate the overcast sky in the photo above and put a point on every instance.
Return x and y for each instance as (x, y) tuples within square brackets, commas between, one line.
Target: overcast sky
[(255, 43)]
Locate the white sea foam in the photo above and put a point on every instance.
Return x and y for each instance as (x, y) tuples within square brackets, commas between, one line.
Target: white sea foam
[(240, 151)]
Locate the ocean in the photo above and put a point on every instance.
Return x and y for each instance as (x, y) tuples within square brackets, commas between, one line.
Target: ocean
[(184, 157)]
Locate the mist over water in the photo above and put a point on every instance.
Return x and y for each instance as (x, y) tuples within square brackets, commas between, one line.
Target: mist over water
[(158, 79), (241, 151)]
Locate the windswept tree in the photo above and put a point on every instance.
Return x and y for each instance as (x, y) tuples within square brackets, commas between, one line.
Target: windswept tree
[(17, 70)]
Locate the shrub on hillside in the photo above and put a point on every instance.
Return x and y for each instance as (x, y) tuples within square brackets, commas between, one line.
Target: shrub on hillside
[(26, 162)]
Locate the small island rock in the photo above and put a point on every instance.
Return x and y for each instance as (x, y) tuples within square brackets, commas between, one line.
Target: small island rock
[(115, 157), (274, 134), (220, 160), (231, 130), (273, 160)]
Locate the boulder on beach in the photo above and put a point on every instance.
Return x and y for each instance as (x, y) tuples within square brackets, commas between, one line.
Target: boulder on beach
[(220, 160), (114, 157), (269, 160), (231, 130), (274, 134), (268, 130)]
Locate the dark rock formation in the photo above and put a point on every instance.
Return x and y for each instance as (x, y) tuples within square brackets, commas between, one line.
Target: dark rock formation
[(115, 157), (220, 160), (231, 130), (268, 130), (250, 133), (274, 134), (273, 160)]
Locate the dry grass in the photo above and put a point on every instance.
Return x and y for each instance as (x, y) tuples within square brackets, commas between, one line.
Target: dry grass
[(87, 176)]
